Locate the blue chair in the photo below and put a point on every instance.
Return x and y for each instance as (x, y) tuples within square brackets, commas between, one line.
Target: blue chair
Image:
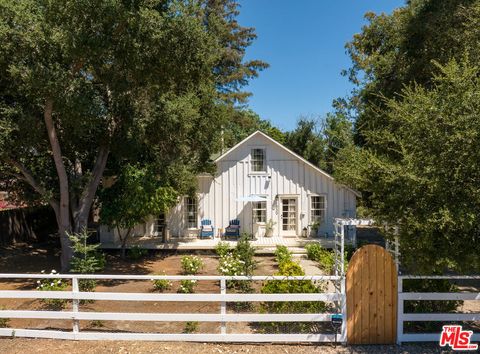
[(233, 229), (207, 230)]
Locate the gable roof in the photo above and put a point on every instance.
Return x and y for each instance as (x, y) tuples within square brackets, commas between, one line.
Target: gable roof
[(273, 141)]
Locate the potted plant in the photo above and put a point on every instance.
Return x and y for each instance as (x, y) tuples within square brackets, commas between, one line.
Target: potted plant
[(269, 228), (314, 227)]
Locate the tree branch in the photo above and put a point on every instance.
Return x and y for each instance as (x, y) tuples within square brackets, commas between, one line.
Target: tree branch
[(26, 176), (88, 193)]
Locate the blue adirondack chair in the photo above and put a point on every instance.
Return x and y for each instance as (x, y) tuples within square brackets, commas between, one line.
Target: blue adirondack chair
[(206, 229), (233, 229)]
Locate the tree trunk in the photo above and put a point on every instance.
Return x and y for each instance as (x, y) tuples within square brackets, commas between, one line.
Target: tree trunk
[(65, 225), (124, 242)]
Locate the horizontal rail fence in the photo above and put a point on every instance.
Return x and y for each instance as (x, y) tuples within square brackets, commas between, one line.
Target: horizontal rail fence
[(437, 317), (75, 296)]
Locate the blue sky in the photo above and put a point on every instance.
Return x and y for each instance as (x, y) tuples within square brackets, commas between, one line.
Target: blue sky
[(303, 41)]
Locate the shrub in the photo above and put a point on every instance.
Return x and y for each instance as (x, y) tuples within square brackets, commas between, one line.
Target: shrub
[(325, 258), (282, 254), (97, 324), (3, 321), (246, 252), (231, 265), (187, 286), (431, 306), (222, 249), (87, 259), (136, 252), (191, 327), (191, 265), (52, 285), (290, 268), (313, 251), (161, 284)]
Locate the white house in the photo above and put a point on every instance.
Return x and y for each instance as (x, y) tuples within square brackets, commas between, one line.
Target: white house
[(288, 190)]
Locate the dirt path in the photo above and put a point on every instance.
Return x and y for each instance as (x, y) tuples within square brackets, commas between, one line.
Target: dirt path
[(23, 346)]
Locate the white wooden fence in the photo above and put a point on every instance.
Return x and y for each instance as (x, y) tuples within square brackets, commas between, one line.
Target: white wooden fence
[(438, 317), (223, 317)]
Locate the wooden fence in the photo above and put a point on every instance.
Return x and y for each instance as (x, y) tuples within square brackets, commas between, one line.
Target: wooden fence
[(75, 315)]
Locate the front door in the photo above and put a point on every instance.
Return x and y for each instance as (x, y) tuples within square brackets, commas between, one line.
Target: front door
[(289, 217)]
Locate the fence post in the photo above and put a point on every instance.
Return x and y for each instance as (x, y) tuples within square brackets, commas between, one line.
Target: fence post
[(343, 335), (399, 311), (75, 303), (223, 305)]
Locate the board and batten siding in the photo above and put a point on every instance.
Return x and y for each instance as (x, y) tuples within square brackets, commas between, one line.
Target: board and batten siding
[(286, 176)]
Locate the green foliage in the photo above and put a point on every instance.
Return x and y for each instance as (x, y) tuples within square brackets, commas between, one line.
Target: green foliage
[(230, 264), (325, 258), (52, 284), (143, 82), (222, 249), (187, 286), (87, 259), (282, 254), (4, 321), (290, 268), (97, 324), (137, 193), (430, 285), (191, 265), (245, 252), (238, 261), (161, 285), (191, 327), (137, 252), (242, 123), (423, 172)]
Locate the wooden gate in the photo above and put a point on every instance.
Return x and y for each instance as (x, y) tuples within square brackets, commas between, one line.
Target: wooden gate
[(371, 297)]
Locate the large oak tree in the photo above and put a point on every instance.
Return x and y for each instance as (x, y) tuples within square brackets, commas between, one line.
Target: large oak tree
[(89, 84)]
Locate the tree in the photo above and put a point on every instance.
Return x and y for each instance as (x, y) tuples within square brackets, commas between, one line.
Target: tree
[(396, 50), (243, 122), (134, 196), (307, 141), (423, 173), (83, 83)]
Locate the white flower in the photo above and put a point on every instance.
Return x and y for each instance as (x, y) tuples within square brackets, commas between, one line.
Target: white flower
[(42, 271), (38, 281), (59, 282), (53, 271), (51, 284)]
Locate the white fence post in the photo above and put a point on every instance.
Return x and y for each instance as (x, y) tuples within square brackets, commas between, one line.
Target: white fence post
[(399, 310), (75, 303), (223, 305)]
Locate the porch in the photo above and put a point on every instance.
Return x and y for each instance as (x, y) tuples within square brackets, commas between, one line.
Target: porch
[(262, 244)]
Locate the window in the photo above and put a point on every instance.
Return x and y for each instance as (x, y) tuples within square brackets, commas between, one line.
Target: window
[(258, 160), (317, 209), (160, 224), (191, 212), (259, 210)]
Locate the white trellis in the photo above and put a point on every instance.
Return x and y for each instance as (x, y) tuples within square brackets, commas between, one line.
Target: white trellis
[(339, 245)]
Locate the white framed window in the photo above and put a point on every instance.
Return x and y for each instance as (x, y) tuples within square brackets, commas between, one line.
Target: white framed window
[(257, 160), (159, 224), (191, 213), (318, 209), (259, 210)]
